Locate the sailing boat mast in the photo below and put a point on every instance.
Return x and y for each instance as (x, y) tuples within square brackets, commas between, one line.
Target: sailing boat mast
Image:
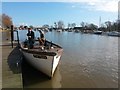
[(119, 10), (99, 21)]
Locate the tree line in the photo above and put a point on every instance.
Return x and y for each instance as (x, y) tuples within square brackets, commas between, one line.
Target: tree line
[(106, 26)]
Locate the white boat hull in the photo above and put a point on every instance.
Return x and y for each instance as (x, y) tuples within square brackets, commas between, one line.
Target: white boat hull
[(47, 66), (114, 33), (45, 60)]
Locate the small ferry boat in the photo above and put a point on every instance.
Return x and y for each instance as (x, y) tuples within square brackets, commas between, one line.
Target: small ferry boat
[(114, 33), (98, 32), (45, 60)]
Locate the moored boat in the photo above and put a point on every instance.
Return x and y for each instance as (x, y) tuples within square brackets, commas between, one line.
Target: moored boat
[(114, 33), (59, 30), (69, 30), (45, 60), (98, 32), (77, 31)]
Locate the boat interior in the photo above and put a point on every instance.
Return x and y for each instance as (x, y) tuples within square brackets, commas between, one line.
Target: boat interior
[(48, 47)]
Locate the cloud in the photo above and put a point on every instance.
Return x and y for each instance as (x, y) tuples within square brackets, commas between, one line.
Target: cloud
[(107, 6), (100, 5), (73, 6)]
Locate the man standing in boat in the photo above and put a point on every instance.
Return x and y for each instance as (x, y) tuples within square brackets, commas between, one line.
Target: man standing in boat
[(30, 35), (42, 38)]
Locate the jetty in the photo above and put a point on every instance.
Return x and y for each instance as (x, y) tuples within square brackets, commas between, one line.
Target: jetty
[(11, 76)]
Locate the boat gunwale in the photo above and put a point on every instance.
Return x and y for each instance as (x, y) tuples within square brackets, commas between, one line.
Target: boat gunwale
[(42, 52), (38, 52)]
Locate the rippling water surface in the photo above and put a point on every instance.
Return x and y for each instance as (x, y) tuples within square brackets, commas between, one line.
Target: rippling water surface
[(88, 61)]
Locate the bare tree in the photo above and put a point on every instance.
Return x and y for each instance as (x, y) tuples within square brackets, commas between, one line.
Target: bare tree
[(73, 25), (6, 21), (45, 26), (31, 26), (55, 25), (60, 24), (108, 25), (92, 26), (82, 24), (69, 25)]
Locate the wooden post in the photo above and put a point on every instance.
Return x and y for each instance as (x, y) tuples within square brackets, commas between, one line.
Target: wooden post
[(18, 38), (12, 35)]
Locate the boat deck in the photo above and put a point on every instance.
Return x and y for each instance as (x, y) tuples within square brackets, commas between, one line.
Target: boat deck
[(44, 50)]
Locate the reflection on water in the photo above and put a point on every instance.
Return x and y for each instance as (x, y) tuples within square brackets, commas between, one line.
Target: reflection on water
[(56, 80), (88, 61), (33, 78)]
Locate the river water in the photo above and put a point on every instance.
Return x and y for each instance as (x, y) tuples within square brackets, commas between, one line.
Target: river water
[(88, 61)]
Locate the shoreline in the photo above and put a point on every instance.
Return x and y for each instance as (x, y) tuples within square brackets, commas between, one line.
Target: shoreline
[(3, 30)]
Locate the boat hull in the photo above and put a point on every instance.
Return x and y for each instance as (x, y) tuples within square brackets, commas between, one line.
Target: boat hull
[(46, 65), (44, 61), (98, 32), (117, 34)]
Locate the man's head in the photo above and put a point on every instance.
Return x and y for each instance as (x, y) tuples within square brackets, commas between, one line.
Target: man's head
[(29, 29)]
